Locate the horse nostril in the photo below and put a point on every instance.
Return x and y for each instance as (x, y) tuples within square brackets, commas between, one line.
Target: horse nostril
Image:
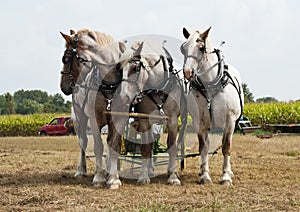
[(72, 84), (188, 74)]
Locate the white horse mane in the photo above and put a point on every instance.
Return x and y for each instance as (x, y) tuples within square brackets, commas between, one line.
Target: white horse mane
[(149, 48)]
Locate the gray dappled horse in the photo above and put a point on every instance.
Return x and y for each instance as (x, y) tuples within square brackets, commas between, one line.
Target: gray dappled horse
[(154, 89), (89, 74), (215, 100)]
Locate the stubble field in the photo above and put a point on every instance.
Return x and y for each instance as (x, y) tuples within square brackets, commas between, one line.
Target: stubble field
[(37, 174)]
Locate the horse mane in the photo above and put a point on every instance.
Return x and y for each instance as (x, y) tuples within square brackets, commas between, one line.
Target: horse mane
[(101, 38), (149, 48)]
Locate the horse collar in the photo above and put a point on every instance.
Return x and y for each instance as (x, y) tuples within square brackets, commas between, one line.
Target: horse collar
[(210, 89)]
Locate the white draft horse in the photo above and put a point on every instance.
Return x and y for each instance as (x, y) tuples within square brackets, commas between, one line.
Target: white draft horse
[(89, 74), (215, 100), (155, 90)]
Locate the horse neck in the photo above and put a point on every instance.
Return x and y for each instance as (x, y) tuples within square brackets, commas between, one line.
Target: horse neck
[(107, 61), (156, 76), (206, 71)]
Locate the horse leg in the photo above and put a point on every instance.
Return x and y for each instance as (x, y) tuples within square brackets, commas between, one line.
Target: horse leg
[(226, 145), (203, 149), (172, 126), (81, 167), (114, 146), (99, 177), (82, 140), (146, 151)]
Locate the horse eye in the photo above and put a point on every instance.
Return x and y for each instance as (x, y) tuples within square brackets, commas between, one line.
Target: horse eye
[(65, 60), (202, 49)]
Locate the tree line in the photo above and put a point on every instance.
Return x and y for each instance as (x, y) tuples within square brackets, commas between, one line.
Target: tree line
[(33, 101), (37, 101)]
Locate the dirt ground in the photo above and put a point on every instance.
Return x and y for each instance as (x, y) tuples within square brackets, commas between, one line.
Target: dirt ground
[(36, 173)]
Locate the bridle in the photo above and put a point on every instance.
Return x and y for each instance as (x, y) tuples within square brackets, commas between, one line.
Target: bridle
[(137, 63), (68, 58), (198, 60)]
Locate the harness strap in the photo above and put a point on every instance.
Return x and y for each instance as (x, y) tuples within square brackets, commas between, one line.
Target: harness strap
[(164, 98), (238, 89)]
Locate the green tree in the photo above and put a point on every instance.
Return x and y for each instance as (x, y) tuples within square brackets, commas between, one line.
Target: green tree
[(56, 103), (33, 101), (30, 106), (248, 96), (9, 104), (266, 99), (2, 105)]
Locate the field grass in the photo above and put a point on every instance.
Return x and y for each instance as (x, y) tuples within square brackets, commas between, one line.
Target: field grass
[(36, 174)]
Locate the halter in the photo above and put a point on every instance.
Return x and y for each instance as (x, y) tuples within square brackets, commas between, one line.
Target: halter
[(137, 62), (202, 49), (68, 58)]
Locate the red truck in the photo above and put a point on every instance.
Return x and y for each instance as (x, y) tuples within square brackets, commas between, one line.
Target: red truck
[(55, 127)]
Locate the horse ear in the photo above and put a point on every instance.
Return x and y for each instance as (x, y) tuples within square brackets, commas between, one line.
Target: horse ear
[(68, 38), (186, 34), (139, 50), (122, 47), (205, 34), (72, 32), (93, 35)]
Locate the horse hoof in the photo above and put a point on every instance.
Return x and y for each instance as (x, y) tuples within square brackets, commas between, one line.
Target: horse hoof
[(115, 185), (98, 185), (80, 174), (144, 181), (226, 182), (99, 178), (173, 180), (204, 181)]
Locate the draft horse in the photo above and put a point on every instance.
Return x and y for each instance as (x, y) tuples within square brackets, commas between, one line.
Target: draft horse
[(215, 99), (89, 74), (153, 88)]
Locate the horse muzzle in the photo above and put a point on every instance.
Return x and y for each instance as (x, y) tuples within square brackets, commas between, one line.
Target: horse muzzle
[(188, 74), (66, 89)]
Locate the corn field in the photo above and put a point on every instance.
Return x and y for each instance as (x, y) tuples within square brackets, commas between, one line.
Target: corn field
[(273, 113), (23, 125), (258, 113)]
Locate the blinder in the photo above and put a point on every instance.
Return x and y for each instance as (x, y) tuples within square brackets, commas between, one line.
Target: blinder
[(182, 48)]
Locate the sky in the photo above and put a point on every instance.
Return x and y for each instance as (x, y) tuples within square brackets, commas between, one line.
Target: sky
[(262, 37)]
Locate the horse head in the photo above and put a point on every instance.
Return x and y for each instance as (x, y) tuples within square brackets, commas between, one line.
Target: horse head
[(195, 51), (142, 66), (77, 58)]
